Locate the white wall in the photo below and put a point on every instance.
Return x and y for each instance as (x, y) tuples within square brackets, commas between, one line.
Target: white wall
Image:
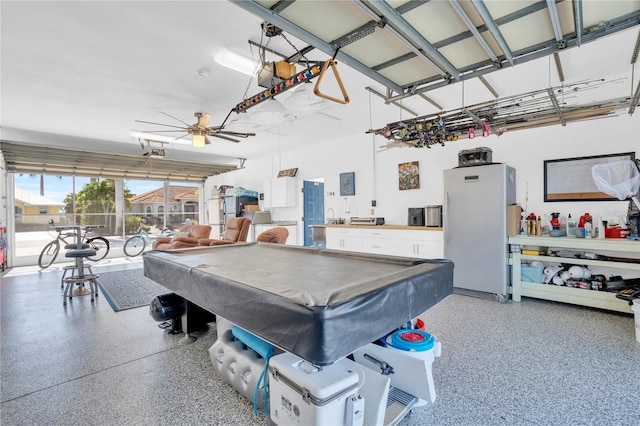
[(376, 173)]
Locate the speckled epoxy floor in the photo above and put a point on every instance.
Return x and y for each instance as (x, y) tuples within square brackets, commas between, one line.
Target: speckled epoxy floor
[(534, 362)]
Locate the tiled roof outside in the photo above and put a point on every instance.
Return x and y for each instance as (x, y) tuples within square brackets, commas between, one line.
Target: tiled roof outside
[(176, 193)]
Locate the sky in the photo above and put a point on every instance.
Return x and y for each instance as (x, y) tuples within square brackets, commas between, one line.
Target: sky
[(57, 188)]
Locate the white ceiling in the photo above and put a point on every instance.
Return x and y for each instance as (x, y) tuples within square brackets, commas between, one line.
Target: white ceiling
[(89, 69)]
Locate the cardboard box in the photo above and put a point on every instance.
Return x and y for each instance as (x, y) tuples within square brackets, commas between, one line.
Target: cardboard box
[(251, 208), (514, 218)]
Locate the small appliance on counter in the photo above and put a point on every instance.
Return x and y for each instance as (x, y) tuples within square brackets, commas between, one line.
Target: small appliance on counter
[(416, 216), (367, 220), (434, 216)]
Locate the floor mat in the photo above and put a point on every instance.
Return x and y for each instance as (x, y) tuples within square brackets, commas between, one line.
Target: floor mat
[(128, 289)]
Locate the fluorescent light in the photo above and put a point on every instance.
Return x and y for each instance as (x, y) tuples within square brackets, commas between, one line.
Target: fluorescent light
[(236, 62), (159, 138)]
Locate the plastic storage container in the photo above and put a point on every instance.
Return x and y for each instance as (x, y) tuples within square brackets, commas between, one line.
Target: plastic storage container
[(303, 394)]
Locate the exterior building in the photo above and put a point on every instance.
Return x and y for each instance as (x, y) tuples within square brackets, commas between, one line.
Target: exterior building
[(182, 204), (33, 208)]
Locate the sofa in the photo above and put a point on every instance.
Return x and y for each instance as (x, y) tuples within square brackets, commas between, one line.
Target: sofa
[(277, 235), (187, 236), (236, 231)]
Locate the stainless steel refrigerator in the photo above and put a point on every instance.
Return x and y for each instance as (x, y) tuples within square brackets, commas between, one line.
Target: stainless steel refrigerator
[(475, 228), (234, 206)]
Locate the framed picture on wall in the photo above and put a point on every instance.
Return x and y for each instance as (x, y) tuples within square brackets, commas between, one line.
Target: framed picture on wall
[(408, 176), (347, 184)]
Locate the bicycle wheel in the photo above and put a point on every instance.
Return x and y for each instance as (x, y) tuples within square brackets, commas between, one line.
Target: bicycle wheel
[(101, 247), (49, 254), (134, 246)]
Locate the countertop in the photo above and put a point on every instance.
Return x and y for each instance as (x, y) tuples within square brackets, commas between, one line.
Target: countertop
[(277, 223), (404, 227)]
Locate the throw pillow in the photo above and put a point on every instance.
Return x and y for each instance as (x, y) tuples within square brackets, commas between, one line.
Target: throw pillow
[(179, 234)]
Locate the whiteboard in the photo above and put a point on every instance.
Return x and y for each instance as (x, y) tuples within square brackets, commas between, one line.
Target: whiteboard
[(570, 179)]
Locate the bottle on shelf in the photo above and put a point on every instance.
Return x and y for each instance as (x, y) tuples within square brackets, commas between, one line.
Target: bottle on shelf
[(583, 219), (572, 224), (588, 228), (539, 226)]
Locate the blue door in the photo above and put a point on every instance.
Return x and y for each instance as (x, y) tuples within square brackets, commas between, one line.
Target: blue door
[(313, 208)]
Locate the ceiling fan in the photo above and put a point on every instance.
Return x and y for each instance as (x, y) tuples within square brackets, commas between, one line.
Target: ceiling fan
[(199, 131)]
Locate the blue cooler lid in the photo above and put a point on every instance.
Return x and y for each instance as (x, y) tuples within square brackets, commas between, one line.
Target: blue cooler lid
[(410, 340)]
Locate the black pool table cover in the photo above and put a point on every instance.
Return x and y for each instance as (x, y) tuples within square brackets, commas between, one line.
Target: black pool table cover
[(320, 305)]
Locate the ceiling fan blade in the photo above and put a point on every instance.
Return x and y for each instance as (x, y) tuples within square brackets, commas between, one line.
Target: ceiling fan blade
[(207, 141), (217, 135), (237, 134), (164, 131), (177, 119), (159, 124), (202, 123)]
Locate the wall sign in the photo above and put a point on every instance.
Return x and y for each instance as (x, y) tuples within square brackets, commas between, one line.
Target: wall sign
[(347, 184), (288, 172), (570, 179)]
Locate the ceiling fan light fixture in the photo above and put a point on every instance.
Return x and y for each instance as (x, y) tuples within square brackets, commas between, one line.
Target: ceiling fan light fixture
[(236, 62), (199, 140)]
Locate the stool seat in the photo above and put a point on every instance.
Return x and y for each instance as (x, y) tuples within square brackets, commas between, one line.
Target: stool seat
[(75, 246), (80, 253)]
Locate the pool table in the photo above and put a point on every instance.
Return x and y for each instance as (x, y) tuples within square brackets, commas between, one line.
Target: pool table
[(320, 305)]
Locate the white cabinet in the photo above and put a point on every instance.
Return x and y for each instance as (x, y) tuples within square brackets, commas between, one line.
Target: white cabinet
[(347, 239), (390, 240), (577, 296), (420, 244), (280, 192), (376, 241)]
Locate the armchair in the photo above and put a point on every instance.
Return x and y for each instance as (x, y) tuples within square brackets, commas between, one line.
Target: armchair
[(277, 235), (236, 231), (187, 236)]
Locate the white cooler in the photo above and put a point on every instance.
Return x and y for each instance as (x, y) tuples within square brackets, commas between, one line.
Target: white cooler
[(303, 394)]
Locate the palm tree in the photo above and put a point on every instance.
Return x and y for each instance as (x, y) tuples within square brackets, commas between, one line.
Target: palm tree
[(98, 196), (41, 182)]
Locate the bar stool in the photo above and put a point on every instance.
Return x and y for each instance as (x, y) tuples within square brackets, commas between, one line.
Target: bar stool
[(73, 268), (81, 278)]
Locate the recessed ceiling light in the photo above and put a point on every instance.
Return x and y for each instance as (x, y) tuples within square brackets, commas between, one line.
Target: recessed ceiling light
[(203, 73)]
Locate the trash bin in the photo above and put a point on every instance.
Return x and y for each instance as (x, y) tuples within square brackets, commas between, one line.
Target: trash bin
[(319, 235)]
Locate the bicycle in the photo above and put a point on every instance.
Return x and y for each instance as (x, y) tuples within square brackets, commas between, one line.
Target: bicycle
[(50, 252), (136, 244)]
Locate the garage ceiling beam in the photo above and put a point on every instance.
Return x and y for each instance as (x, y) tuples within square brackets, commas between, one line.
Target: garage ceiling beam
[(555, 22), (493, 29), (272, 17), (415, 37), (467, 21), (577, 19)]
